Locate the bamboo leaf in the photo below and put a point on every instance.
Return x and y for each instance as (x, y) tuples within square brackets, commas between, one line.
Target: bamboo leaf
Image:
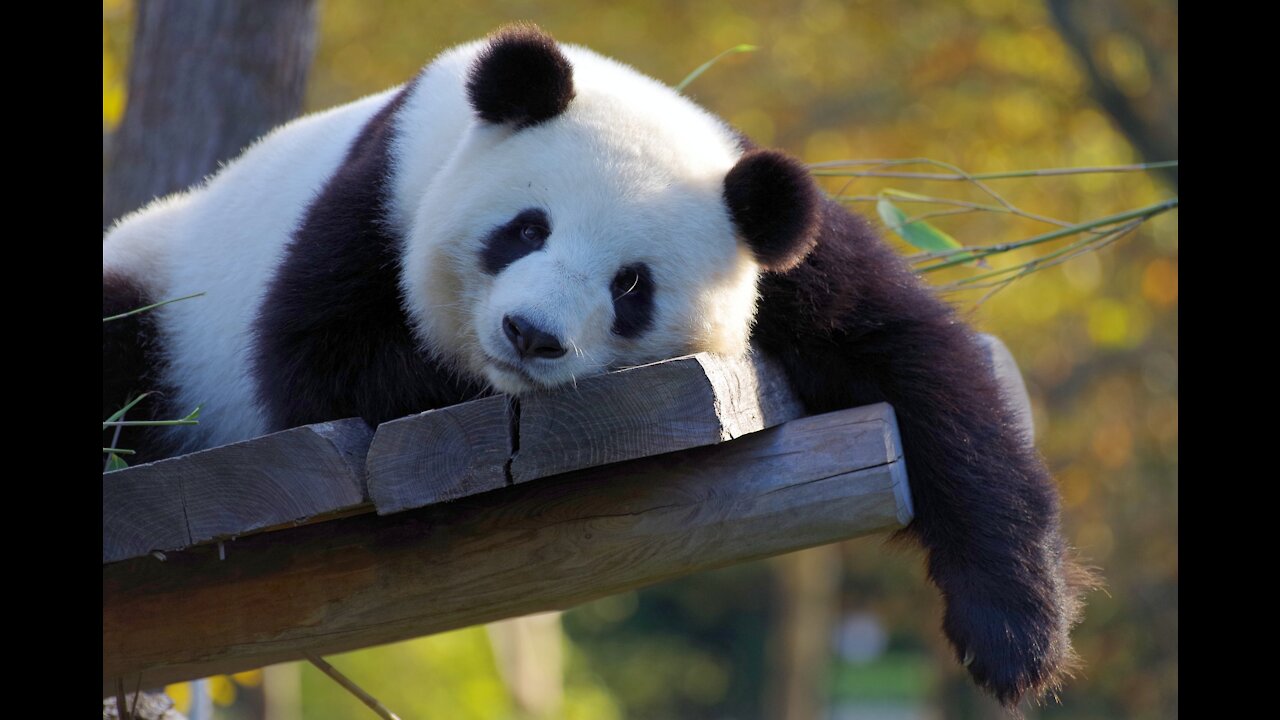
[(918, 233), (120, 413), (707, 65)]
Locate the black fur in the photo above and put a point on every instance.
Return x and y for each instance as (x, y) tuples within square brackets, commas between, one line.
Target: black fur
[(775, 206), (520, 78), (632, 300), (853, 325), (525, 233), (332, 339), (131, 365)]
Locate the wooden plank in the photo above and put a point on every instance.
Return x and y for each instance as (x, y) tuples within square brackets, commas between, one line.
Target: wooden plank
[(141, 512), (1012, 386), (552, 544), (648, 410), (282, 478), (659, 408), (440, 455)]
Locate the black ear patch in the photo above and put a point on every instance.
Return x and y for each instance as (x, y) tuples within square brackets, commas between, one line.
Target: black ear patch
[(776, 207), (520, 78)]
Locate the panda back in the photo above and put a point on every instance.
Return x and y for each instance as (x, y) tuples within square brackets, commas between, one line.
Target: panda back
[(224, 239)]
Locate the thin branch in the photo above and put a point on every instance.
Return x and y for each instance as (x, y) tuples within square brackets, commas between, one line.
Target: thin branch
[(969, 252), (150, 307), (825, 169), (707, 65), (122, 707), (352, 688), (1091, 244), (148, 423)]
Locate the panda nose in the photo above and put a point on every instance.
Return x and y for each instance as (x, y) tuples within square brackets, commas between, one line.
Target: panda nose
[(529, 340)]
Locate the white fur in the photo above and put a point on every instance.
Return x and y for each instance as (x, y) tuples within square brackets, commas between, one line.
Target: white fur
[(630, 172), (224, 238)]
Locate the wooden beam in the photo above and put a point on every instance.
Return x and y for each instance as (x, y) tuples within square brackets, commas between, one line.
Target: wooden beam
[(648, 410), (552, 544), (269, 481)]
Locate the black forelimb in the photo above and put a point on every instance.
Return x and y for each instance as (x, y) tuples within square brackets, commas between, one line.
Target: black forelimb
[(853, 325)]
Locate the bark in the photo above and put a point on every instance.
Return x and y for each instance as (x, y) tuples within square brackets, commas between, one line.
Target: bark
[(205, 80)]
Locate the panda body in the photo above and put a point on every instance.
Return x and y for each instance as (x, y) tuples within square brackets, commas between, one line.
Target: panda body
[(523, 213)]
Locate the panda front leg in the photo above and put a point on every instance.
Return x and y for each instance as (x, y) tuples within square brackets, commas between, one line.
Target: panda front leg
[(853, 325)]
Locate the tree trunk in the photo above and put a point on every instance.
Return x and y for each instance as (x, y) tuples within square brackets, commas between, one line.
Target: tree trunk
[(205, 80)]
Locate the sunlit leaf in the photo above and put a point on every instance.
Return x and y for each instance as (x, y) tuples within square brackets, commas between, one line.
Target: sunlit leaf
[(707, 65), (115, 462), (918, 232)]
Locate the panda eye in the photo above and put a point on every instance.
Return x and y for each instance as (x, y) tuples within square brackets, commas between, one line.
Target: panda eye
[(520, 236), (534, 235), (632, 289), (625, 282)]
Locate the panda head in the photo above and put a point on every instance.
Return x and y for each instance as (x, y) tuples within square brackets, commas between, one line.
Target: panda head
[(592, 218)]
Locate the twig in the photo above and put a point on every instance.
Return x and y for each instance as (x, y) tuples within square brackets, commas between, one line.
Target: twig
[(970, 252), (149, 307), (352, 688), (823, 169), (1010, 209), (1047, 261), (147, 423), (707, 65)]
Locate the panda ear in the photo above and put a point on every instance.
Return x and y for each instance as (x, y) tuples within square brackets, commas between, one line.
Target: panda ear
[(521, 77), (776, 207)]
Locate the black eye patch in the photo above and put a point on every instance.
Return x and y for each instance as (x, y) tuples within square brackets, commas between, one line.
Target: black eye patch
[(632, 290), (525, 233)]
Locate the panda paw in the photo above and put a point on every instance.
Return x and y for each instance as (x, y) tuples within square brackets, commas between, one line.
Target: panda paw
[(1012, 650)]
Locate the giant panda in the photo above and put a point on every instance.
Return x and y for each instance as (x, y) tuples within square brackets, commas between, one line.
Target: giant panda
[(523, 213)]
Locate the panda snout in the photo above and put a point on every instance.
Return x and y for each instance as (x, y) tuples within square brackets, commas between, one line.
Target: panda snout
[(529, 340)]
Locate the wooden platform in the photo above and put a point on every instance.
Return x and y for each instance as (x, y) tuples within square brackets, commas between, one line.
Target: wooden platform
[(333, 537)]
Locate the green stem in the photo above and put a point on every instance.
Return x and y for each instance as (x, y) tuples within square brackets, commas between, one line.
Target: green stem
[(149, 307), (1144, 213), (148, 423), (821, 169)]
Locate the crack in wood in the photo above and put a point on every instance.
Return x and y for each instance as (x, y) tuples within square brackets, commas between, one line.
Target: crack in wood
[(513, 434)]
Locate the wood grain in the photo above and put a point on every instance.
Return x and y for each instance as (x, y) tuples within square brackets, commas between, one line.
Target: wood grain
[(649, 410), (440, 455), (278, 479), (551, 544)]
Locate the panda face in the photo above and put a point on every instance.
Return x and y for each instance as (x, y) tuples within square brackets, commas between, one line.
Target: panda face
[(577, 246), (589, 218)]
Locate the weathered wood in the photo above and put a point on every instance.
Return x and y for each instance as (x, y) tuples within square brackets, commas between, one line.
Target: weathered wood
[(652, 409), (366, 580), (276, 479), (440, 455), (1012, 385), (648, 410)]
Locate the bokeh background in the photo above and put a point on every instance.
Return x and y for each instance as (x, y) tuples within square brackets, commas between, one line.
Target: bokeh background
[(987, 85)]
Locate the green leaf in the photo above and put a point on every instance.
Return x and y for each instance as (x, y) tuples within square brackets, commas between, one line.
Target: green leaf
[(707, 65), (919, 233), (120, 413), (115, 462)]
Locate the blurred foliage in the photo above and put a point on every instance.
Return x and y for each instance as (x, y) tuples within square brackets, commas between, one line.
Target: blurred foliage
[(987, 85)]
